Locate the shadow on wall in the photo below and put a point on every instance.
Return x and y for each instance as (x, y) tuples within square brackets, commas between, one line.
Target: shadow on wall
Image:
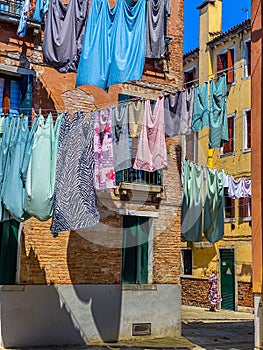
[(44, 100), (30, 266), (35, 315), (88, 263)]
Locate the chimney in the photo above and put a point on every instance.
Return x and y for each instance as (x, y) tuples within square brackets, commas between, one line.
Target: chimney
[(210, 26)]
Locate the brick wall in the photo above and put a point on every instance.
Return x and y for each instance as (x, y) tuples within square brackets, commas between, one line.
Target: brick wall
[(195, 291), (245, 294)]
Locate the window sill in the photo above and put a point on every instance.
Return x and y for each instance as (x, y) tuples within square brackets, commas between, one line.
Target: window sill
[(247, 78), (246, 150), (227, 155), (229, 85), (229, 219), (247, 218)]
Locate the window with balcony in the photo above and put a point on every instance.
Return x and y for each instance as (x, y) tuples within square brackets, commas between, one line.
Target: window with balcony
[(11, 7), (229, 206), (226, 64), (247, 58), (244, 208), (229, 146), (247, 131), (132, 175)]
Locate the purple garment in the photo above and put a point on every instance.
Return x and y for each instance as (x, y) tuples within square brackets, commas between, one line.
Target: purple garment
[(103, 150), (235, 187)]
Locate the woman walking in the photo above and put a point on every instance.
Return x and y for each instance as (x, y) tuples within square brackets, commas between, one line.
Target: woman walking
[(214, 296)]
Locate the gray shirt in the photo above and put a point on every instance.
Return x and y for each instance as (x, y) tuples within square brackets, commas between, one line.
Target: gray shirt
[(65, 28)]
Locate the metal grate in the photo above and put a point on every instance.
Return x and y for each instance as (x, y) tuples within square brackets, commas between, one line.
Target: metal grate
[(139, 176), (11, 7), (141, 329)]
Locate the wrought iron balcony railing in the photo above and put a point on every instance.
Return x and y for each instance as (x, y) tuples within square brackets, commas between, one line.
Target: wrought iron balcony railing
[(11, 7), (139, 177)]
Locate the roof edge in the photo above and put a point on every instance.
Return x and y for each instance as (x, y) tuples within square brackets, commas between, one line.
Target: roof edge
[(206, 2)]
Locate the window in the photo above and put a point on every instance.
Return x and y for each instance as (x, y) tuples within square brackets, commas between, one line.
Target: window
[(247, 131), (229, 146), (8, 251), (189, 77), (187, 261), (226, 62), (16, 94), (244, 207), (190, 144), (247, 58), (229, 205), (135, 250)]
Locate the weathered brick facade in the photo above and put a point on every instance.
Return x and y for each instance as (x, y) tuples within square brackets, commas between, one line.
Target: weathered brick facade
[(245, 294), (191, 295)]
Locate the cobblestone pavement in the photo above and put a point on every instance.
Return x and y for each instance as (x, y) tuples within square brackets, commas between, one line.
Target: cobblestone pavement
[(201, 330), (218, 330)]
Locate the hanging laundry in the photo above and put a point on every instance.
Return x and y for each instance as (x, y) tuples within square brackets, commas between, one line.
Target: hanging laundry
[(214, 206), (120, 138), (75, 201), (65, 28), (240, 188), (200, 111), (218, 132), (187, 111), (41, 10), (191, 219), (2, 83), (136, 113), (246, 188), (235, 187), (151, 154), (13, 191), (155, 25), (225, 180), (167, 7), (172, 113), (114, 44), (39, 199), (21, 30), (28, 149), (103, 150)]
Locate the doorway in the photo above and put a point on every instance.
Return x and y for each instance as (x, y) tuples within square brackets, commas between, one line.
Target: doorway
[(227, 268)]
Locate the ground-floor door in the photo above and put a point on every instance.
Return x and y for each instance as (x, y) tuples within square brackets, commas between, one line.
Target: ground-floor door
[(227, 268)]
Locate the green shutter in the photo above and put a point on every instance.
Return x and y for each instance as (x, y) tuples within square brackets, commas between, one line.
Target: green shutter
[(135, 250), (8, 251), (26, 94)]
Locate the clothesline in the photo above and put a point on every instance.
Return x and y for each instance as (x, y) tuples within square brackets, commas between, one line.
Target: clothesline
[(205, 167), (232, 68)]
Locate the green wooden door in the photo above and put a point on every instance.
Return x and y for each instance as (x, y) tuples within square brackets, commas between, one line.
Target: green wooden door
[(135, 250), (227, 279), (8, 251)]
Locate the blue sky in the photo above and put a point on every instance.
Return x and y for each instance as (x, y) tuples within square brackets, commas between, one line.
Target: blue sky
[(232, 15)]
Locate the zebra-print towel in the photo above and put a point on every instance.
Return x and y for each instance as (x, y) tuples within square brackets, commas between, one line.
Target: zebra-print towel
[(75, 202)]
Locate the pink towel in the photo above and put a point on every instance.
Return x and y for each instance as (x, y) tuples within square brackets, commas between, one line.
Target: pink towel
[(151, 154)]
